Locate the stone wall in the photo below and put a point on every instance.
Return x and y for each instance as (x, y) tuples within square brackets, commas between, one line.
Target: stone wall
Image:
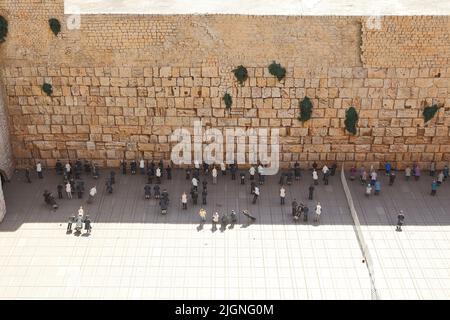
[(6, 159), (123, 83)]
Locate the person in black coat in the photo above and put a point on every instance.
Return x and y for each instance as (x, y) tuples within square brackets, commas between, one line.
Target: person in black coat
[(204, 194), (252, 187), (205, 184), (333, 169), (60, 191), (59, 167), (282, 179), (87, 166), (133, 166), (109, 187), (156, 192), (112, 176), (242, 178), (78, 168), (194, 195), (233, 171), (169, 172), (148, 191), (289, 178), (123, 164), (188, 174), (27, 175), (294, 207), (297, 171), (79, 191), (311, 192), (149, 175)]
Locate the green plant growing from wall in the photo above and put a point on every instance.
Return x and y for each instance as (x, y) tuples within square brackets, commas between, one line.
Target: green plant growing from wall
[(55, 26), (429, 112), (47, 88), (3, 29), (241, 74), (277, 70), (306, 107), (351, 119), (227, 100)]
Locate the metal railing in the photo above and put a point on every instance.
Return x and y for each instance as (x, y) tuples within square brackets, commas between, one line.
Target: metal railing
[(359, 236)]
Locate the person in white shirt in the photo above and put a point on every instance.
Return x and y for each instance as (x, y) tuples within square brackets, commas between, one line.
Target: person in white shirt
[(315, 177), (69, 190), (223, 168), (184, 200), (440, 177), (194, 183), (142, 166), (92, 194), (158, 175), (407, 172), (214, 175), (318, 212), (252, 173), (373, 177), (39, 170), (81, 211), (68, 168), (255, 194), (261, 174), (282, 195), (325, 169), (196, 164), (368, 189)]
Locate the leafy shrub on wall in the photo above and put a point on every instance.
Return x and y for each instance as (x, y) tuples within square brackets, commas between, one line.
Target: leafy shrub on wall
[(429, 112), (241, 74), (55, 26), (47, 88), (227, 100), (3, 29), (351, 119), (306, 107), (277, 70)]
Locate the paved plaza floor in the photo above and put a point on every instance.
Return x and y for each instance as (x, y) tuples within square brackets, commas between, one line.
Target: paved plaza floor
[(134, 252)]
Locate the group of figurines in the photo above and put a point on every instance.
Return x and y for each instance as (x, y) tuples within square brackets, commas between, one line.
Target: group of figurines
[(415, 171)]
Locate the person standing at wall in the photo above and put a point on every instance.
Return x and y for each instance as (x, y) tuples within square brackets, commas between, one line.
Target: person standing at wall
[(407, 173), (27, 175), (214, 175), (432, 169), (39, 170), (282, 195), (142, 166), (440, 178)]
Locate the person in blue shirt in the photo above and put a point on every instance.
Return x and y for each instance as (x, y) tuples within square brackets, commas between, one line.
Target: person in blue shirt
[(433, 188), (387, 166), (377, 187)]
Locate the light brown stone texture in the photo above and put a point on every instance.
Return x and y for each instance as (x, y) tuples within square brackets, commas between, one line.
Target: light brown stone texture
[(122, 84)]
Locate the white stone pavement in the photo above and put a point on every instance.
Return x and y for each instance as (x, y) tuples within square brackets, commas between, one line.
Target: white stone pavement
[(414, 263), (135, 253)]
